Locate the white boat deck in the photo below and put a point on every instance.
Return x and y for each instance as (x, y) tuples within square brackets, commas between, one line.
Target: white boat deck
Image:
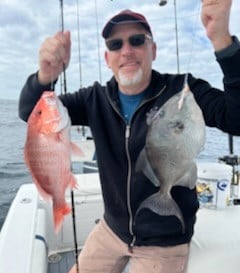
[(28, 243)]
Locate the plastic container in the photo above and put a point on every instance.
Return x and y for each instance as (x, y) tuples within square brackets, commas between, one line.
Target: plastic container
[(213, 184)]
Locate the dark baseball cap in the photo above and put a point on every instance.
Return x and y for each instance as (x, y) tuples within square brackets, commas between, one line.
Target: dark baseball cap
[(124, 17)]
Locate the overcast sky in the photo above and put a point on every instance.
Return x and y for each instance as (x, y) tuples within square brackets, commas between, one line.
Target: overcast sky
[(25, 24)]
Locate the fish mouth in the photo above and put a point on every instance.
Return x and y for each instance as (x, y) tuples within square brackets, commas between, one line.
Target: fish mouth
[(154, 113)]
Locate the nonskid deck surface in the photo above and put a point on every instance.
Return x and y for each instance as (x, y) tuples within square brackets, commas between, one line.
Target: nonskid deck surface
[(63, 262)]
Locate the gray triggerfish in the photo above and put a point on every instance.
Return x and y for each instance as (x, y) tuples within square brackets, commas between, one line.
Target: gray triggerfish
[(175, 136)]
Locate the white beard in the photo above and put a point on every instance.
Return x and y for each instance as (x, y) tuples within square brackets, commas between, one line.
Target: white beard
[(125, 80)]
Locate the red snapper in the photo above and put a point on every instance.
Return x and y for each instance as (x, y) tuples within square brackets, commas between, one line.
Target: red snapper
[(47, 153)]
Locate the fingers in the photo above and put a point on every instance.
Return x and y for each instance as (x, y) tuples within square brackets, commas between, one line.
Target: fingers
[(215, 18), (63, 44), (53, 53), (210, 2), (223, 3)]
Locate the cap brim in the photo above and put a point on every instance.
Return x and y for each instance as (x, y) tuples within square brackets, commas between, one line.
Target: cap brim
[(123, 19)]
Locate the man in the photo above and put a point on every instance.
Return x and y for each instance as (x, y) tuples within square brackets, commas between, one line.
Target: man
[(116, 114)]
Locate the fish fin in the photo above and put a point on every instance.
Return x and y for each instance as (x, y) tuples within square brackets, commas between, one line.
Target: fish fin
[(163, 206), (189, 179), (73, 182), (76, 150), (143, 165), (59, 213)]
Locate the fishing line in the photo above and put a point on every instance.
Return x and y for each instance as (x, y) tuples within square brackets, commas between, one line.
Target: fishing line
[(193, 38), (79, 57), (60, 76), (74, 231), (79, 47), (185, 82), (176, 28), (72, 193), (52, 83), (163, 3), (98, 43), (62, 29)]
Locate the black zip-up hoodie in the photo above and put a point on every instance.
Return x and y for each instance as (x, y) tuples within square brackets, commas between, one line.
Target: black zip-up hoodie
[(118, 146)]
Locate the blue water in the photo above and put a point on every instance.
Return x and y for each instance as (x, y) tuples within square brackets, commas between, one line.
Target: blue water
[(13, 171)]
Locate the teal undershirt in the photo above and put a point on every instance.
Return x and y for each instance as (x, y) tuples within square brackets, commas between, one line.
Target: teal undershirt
[(129, 103)]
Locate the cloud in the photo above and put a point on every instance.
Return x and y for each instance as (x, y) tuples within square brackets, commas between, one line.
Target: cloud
[(25, 24)]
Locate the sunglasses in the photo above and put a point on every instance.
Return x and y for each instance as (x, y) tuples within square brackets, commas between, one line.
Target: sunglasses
[(134, 40)]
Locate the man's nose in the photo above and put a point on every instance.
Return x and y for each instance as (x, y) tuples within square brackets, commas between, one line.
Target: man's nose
[(127, 48)]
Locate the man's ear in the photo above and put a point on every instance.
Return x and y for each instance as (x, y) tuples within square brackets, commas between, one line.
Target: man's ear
[(106, 58), (154, 50)]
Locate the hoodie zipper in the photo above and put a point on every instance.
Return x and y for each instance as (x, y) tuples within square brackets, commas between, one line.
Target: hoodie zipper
[(127, 135), (130, 224)]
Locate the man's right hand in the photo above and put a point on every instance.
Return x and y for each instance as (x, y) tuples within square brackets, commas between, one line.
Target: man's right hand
[(54, 52)]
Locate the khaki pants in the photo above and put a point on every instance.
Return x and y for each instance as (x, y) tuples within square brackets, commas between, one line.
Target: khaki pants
[(104, 252)]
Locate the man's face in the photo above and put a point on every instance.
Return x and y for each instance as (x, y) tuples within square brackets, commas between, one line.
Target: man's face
[(131, 65)]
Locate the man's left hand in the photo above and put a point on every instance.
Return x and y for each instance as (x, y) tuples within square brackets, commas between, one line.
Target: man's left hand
[(215, 18)]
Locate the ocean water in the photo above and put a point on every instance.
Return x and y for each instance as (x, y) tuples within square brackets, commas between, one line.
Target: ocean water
[(13, 172)]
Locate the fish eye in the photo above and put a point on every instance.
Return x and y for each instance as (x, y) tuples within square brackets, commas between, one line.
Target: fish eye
[(178, 126), (39, 112)]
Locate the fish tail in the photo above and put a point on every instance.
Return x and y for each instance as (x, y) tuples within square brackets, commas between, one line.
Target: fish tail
[(164, 206), (59, 213)]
